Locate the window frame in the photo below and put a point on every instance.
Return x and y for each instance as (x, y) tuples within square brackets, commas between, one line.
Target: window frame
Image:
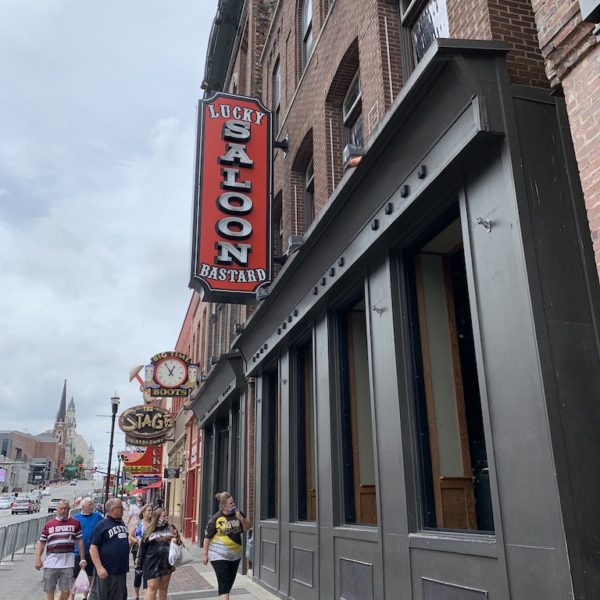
[(309, 194), (351, 114), (306, 26), (410, 11), (276, 96)]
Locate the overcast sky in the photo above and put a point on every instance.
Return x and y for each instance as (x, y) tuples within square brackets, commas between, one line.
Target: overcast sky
[(97, 124)]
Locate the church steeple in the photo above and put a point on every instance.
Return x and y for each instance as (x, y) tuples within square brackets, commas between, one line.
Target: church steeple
[(61, 415), (71, 422)]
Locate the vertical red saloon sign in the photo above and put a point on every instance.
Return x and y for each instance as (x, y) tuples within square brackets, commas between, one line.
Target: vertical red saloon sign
[(231, 245)]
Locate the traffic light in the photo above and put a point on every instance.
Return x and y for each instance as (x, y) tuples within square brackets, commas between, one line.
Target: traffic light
[(62, 468), (80, 469)]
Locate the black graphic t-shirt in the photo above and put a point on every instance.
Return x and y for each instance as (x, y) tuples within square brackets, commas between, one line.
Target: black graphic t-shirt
[(225, 534)]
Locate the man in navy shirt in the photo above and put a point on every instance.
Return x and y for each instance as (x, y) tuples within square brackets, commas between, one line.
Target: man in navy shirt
[(109, 550)]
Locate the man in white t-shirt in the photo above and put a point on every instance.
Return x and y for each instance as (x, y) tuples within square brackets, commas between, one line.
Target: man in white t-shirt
[(58, 538), (134, 511)]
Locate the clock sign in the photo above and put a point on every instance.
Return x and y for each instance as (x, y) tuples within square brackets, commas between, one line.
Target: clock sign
[(170, 374)]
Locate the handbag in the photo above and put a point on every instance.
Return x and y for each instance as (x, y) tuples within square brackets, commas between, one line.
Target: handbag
[(82, 584)]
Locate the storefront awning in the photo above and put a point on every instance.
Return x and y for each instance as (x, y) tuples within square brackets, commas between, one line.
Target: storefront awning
[(152, 486)]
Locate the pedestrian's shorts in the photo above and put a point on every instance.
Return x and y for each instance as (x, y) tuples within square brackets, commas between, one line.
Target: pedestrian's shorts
[(62, 577)]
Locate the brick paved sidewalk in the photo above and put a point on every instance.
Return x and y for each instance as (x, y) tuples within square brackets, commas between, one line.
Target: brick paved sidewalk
[(195, 581), (20, 581)]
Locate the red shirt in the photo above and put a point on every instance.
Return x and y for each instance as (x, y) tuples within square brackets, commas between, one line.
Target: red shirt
[(60, 536)]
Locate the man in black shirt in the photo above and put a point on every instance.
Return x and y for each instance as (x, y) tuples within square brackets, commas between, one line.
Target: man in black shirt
[(109, 550)]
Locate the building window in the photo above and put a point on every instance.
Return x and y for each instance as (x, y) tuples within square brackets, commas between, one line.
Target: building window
[(307, 33), (352, 114), (454, 476), (305, 434), (270, 422), (357, 449), (309, 195), (426, 20), (276, 97)]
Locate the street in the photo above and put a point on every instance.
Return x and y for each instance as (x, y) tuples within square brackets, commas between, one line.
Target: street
[(65, 492)]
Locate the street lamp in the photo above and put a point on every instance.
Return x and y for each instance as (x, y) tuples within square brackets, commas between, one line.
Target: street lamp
[(114, 401), (118, 479)]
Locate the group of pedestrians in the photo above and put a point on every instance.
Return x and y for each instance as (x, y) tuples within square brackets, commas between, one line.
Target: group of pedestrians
[(101, 546)]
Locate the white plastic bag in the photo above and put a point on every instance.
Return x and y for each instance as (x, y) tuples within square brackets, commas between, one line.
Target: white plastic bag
[(179, 555), (249, 545), (175, 554), (82, 584)]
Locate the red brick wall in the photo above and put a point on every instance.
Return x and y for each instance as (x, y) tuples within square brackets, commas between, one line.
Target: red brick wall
[(310, 98), (572, 57), (509, 20), (469, 19), (513, 22), (582, 93)]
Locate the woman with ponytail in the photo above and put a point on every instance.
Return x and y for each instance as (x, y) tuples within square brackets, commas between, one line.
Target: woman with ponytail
[(223, 542)]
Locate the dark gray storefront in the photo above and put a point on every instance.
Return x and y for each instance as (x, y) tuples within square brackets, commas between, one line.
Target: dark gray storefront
[(427, 365), (220, 408)]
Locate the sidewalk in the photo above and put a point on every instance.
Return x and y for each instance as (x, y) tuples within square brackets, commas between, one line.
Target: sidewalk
[(20, 581)]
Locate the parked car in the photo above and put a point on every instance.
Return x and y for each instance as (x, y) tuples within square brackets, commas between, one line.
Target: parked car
[(53, 504), (73, 482), (23, 505), (6, 501)]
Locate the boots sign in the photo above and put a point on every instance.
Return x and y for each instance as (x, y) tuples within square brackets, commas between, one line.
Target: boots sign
[(231, 244)]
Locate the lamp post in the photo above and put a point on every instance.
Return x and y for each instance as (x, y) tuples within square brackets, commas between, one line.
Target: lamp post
[(118, 479), (114, 401)]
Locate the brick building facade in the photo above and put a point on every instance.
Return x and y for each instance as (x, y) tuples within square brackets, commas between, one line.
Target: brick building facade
[(406, 413)]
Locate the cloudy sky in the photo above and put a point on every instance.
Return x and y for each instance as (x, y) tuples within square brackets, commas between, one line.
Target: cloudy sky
[(97, 124)]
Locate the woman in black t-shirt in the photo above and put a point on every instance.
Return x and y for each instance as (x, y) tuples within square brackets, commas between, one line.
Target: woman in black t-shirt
[(153, 555), (223, 542)]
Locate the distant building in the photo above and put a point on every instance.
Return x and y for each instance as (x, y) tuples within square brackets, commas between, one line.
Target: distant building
[(27, 459)]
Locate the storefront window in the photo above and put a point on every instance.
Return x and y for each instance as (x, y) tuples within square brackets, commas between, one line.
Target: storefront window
[(455, 487), (305, 434), (360, 494), (271, 444)]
